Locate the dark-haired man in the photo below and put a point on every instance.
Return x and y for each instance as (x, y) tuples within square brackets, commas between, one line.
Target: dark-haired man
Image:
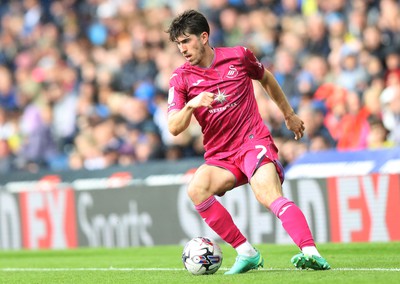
[(215, 85)]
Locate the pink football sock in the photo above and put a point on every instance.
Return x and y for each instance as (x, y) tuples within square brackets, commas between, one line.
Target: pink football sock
[(219, 219), (293, 221)]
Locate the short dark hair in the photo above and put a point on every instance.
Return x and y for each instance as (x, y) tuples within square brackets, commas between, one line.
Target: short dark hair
[(189, 22)]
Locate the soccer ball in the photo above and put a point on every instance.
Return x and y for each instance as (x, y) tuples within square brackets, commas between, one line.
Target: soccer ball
[(202, 255)]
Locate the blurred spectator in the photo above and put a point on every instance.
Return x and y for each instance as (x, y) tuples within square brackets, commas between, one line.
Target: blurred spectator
[(392, 63), (320, 143), (8, 98), (378, 134), (318, 42), (370, 98), (334, 99), (290, 150), (317, 68), (389, 21), (228, 18), (285, 69), (6, 157), (313, 115), (390, 100), (357, 19), (64, 106), (354, 124), (7, 128), (38, 146), (372, 41), (352, 76)]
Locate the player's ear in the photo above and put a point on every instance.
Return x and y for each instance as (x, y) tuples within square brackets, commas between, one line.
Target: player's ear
[(204, 37)]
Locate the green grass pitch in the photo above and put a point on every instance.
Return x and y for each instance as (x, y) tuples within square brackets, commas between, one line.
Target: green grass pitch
[(351, 263)]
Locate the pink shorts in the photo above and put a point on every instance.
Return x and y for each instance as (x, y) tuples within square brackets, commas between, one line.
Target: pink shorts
[(249, 157)]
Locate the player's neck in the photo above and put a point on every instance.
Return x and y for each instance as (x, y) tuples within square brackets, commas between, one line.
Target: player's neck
[(208, 57)]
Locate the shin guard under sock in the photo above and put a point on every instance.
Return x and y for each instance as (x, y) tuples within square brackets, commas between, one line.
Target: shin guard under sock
[(219, 219), (293, 221)]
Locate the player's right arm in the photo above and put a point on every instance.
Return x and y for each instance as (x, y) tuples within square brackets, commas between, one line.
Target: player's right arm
[(179, 120)]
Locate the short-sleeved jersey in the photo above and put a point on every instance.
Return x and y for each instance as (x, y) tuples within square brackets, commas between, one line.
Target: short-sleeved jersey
[(234, 117)]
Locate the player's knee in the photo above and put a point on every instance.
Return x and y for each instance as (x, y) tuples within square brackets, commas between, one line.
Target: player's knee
[(268, 196), (271, 198), (198, 192), (192, 191)]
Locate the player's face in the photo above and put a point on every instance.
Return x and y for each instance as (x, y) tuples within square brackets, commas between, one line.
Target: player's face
[(192, 49)]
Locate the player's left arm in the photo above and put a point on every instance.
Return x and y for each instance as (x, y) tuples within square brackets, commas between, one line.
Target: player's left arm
[(293, 122)]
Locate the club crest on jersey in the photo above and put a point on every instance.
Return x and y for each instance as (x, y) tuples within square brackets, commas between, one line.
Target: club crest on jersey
[(232, 73)]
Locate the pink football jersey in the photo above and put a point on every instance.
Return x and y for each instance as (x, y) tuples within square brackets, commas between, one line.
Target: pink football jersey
[(234, 116)]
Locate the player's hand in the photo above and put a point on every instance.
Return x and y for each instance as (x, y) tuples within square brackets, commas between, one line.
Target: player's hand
[(204, 99), (295, 124)]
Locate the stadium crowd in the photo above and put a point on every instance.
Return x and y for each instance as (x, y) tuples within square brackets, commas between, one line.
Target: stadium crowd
[(84, 84)]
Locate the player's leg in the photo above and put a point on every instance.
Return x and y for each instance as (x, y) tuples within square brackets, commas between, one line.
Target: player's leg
[(266, 185), (207, 182)]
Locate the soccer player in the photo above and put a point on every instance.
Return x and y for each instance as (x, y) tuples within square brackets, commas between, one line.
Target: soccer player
[(215, 85)]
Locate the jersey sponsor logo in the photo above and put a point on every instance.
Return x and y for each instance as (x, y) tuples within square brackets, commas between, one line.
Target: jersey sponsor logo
[(198, 82), (225, 107), (232, 73), (220, 97)]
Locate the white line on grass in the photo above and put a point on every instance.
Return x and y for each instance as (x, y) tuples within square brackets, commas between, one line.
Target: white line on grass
[(55, 269)]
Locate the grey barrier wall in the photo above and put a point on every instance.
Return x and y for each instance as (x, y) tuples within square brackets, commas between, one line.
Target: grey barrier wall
[(163, 215), (158, 212)]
